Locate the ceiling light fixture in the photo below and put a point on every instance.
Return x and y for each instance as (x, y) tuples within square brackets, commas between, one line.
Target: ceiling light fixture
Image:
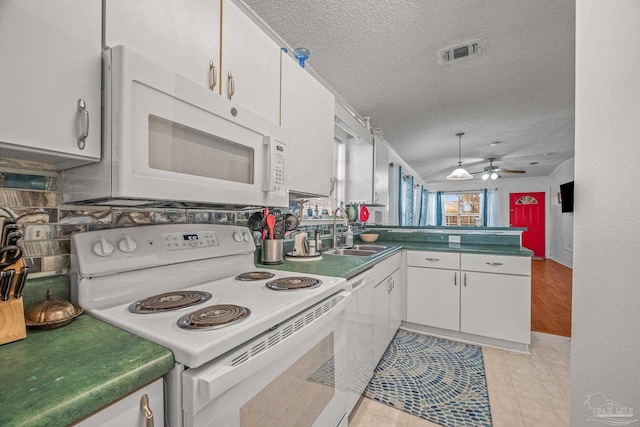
[(493, 175), (460, 173)]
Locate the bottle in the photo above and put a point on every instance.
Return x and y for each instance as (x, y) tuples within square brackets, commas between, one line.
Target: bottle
[(349, 237)]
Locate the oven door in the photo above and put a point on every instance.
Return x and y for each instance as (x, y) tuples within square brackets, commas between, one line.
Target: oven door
[(289, 376), (174, 140)]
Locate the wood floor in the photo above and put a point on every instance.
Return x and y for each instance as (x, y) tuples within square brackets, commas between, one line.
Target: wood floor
[(551, 284)]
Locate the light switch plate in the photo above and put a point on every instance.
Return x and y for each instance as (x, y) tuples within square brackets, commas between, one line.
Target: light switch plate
[(454, 239)]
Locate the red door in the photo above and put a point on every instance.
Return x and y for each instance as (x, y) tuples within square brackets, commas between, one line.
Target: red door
[(527, 210)]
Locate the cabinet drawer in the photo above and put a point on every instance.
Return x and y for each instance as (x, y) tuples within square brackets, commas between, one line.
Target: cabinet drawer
[(501, 264), (448, 260)]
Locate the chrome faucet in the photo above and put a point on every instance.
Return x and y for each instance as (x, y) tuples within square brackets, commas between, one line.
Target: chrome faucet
[(346, 222)]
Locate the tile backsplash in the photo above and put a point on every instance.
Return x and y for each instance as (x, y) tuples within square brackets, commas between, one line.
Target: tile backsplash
[(30, 197)]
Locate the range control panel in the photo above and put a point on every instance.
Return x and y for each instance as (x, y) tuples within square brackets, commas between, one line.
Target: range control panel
[(132, 248), (173, 241)]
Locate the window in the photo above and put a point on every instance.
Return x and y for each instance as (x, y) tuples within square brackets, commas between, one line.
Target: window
[(460, 209)]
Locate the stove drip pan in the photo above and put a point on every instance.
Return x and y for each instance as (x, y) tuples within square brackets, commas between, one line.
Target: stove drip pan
[(168, 301), (213, 317), (293, 283), (254, 275)]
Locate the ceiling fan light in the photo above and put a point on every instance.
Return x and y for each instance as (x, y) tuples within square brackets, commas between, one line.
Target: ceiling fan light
[(460, 174), (485, 176), (495, 175)]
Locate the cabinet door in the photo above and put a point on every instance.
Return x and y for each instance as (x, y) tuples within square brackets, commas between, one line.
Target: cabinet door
[(253, 60), (381, 320), (50, 54), (182, 37), (496, 305), (395, 303), (433, 297), (307, 114), (360, 173), (127, 411), (381, 172)]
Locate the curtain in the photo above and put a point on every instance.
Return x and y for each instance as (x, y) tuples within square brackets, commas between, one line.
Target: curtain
[(492, 213), (440, 208), (485, 207), (401, 218), (422, 221), (408, 200), (431, 209)]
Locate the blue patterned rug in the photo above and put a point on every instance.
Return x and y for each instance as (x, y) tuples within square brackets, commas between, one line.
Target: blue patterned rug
[(436, 379)]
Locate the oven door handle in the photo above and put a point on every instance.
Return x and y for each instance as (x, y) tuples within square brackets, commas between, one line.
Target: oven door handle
[(214, 382)]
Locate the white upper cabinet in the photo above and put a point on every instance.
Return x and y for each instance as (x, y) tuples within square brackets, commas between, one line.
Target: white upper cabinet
[(307, 114), (250, 64), (211, 42), (50, 81), (182, 36)]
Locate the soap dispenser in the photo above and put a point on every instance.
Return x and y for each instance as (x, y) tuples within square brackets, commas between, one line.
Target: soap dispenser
[(349, 237)]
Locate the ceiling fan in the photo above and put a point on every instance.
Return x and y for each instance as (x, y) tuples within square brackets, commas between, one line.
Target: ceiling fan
[(494, 172)]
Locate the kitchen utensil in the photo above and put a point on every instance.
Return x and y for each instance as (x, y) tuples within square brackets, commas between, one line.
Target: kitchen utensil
[(51, 313), (291, 222), (280, 228), (20, 281), (255, 221), (8, 227), (12, 239), (271, 221), (364, 213), (9, 255), (351, 213), (4, 285)]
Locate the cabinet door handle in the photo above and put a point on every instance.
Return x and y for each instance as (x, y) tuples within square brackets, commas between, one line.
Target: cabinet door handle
[(455, 279), (231, 89), (465, 280), (213, 79), (494, 264), (375, 197), (82, 107), (146, 410), (432, 259)]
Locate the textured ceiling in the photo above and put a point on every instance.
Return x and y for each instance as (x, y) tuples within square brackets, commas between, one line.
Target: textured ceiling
[(381, 56)]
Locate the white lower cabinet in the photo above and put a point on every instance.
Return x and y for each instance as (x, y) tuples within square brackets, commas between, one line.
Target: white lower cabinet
[(143, 407), (484, 295), (387, 313), (496, 306), (433, 297)]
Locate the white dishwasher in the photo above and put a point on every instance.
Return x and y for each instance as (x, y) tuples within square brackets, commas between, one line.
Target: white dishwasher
[(360, 336)]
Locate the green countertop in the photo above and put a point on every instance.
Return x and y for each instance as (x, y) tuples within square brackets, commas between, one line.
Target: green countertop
[(349, 266), (56, 376)]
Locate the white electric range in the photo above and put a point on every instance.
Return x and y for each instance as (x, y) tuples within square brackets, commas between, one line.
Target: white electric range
[(250, 343)]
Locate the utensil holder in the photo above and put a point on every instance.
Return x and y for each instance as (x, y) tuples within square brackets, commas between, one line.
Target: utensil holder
[(271, 252), (12, 325)]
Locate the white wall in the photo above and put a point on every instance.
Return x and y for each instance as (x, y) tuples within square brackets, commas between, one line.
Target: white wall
[(605, 343), (560, 224)]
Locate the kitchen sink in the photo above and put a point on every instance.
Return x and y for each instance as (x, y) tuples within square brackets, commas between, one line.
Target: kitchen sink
[(358, 250)]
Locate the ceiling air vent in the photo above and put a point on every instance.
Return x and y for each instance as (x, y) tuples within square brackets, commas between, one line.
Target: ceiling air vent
[(461, 51)]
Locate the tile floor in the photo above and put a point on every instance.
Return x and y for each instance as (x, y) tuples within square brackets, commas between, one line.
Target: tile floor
[(524, 390)]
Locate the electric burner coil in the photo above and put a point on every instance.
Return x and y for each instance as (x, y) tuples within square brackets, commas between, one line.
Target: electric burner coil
[(213, 317), (293, 283), (254, 275), (168, 301)]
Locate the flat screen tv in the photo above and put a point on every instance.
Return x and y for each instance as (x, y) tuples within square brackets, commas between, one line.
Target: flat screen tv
[(566, 195)]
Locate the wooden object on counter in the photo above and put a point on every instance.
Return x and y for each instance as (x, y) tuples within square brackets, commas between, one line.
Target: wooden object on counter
[(12, 326)]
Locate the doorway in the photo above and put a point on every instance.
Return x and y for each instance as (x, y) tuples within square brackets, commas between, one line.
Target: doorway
[(528, 210)]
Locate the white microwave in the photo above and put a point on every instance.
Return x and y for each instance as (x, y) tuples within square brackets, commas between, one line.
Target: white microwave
[(167, 140)]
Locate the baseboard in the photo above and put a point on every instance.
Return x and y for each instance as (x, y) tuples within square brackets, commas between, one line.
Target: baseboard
[(466, 338), (561, 262)]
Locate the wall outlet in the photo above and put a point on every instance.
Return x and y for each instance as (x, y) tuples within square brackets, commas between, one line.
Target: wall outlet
[(454, 239)]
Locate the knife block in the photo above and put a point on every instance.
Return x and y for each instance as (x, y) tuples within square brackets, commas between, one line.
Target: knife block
[(12, 326)]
